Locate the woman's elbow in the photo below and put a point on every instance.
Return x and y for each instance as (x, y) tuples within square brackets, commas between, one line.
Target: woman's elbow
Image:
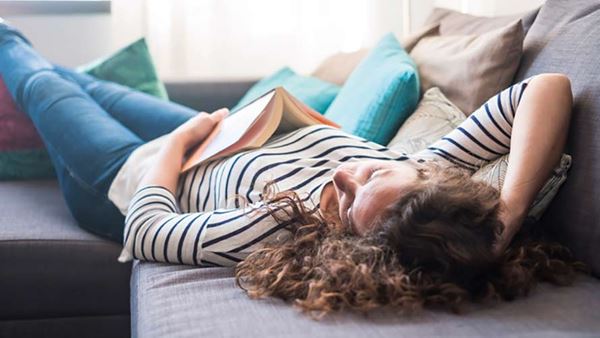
[(558, 86)]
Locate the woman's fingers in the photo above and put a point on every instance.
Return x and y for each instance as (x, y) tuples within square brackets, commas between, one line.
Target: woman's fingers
[(220, 114), (196, 129)]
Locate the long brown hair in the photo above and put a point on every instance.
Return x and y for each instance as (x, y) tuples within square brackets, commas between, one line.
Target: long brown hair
[(433, 249)]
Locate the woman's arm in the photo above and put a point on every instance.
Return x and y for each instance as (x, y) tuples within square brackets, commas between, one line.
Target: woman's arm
[(538, 138), (156, 230), (166, 169)]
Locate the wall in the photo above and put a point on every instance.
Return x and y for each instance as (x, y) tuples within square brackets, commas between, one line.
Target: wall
[(217, 39)]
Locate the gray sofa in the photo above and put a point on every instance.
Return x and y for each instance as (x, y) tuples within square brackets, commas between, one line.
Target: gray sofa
[(57, 280)]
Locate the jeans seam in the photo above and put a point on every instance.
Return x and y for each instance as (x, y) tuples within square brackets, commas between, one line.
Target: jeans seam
[(76, 177)]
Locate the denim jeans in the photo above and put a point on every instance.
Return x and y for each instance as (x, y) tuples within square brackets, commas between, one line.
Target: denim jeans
[(88, 126)]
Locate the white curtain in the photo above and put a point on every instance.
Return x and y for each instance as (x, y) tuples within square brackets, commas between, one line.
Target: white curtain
[(233, 39), (224, 39)]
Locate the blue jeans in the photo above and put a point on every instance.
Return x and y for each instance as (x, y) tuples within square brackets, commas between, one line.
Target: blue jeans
[(89, 127)]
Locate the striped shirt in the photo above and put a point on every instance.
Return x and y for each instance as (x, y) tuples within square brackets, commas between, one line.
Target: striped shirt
[(205, 224)]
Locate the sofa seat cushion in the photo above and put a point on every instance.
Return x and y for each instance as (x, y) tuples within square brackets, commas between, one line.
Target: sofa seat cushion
[(183, 301), (49, 267)]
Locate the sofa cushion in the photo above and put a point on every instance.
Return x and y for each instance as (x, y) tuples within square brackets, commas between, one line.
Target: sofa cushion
[(49, 267), (565, 38), (180, 301), (453, 22), (381, 92), (470, 68)]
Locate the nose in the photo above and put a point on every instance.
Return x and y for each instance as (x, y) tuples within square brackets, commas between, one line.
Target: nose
[(345, 182)]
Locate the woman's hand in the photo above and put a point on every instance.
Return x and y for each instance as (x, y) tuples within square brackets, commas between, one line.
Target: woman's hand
[(197, 129), (167, 165)]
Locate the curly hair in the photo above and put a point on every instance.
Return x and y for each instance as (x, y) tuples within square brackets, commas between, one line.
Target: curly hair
[(434, 248)]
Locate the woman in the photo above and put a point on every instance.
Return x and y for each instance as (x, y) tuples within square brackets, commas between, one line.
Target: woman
[(316, 216)]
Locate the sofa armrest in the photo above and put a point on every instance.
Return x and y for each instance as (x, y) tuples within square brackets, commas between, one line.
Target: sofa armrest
[(208, 95)]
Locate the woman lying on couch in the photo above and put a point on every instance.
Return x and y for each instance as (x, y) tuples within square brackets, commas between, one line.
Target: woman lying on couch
[(317, 216)]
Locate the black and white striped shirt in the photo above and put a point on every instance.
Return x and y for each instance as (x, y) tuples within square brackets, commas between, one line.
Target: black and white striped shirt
[(204, 224)]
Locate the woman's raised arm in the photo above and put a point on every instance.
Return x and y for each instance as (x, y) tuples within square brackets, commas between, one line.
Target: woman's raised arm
[(538, 138)]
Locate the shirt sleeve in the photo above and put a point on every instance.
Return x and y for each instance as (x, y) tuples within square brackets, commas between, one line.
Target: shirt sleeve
[(156, 230), (484, 136)]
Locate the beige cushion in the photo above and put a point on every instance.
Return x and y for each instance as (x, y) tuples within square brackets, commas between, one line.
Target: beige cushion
[(337, 67), (456, 23), (436, 116), (469, 69)]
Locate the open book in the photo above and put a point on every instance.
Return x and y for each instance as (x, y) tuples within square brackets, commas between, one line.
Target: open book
[(251, 126)]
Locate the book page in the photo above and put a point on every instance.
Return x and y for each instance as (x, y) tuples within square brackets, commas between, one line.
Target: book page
[(233, 127), (297, 115)]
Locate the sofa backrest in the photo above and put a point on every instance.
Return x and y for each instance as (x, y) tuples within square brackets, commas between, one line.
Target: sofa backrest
[(565, 38)]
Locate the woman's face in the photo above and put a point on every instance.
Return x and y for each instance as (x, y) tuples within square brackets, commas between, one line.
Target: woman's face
[(365, 190)]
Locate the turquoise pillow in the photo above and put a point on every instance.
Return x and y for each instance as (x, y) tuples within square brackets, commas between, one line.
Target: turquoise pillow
[(314, 92), (379, 94)]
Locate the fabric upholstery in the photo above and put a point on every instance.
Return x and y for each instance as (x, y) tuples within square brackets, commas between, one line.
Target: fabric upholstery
[(565, 38), (469, 68), (49, 266), (115, 326), (179, 301)]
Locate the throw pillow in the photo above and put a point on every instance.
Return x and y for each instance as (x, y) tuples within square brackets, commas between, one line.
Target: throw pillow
[(22, 152), (315, 93), (436, 116), (380, 93), (131, 66), (457, 23), (470, 68)]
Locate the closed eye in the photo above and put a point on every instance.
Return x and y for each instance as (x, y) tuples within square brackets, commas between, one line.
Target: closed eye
[(372, 173)]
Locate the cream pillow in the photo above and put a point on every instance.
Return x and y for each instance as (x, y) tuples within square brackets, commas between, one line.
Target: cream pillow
[(435, 116)]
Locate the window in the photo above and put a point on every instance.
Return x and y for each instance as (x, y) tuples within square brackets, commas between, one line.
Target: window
[(33, 7)]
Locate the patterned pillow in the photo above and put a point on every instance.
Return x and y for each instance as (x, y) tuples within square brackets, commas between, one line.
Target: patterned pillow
[(435, 116), (22, 152)]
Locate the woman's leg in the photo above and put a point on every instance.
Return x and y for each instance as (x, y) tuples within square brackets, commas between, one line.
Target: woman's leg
[(87, 146), (147, 116)]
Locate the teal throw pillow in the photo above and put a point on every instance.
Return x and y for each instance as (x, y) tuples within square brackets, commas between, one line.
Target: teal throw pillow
[(380, 93), (314, 92), (131, 66)]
